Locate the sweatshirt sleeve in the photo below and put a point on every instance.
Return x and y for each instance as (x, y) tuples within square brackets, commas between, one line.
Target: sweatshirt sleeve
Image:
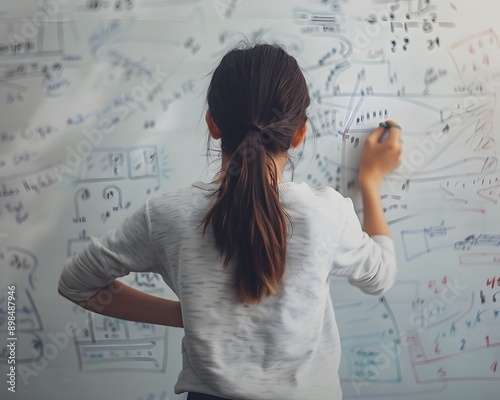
[(368, 262), (126, 249)]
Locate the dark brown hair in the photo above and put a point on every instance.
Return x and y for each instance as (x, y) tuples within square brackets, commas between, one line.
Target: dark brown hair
[(257, 98)]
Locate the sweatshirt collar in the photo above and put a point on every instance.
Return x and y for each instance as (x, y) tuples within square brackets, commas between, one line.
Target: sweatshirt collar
[(214, 186)]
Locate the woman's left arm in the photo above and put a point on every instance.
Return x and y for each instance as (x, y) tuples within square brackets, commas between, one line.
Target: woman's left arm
[(89, 277), (123, 301)]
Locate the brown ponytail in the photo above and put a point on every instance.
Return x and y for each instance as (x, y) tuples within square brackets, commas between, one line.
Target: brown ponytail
[(247, 90)]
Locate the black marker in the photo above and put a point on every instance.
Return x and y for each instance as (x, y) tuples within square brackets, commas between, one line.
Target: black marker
[(387, 126)]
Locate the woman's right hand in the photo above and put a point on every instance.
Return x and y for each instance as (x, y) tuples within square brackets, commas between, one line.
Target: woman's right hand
[(379, 157)]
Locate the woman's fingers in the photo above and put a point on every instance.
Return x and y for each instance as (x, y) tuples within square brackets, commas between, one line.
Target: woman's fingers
[(394, 136), (377, 134)]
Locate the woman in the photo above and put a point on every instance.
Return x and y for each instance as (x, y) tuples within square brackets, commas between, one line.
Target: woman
[(249, 256)]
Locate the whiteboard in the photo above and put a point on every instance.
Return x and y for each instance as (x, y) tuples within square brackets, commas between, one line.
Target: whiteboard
[(102, 106)]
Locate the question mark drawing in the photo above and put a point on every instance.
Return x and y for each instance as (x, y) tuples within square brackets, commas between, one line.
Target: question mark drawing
[(113, 192), (82, 194)]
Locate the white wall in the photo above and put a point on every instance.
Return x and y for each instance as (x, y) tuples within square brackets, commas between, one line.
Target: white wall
[(102, 105)]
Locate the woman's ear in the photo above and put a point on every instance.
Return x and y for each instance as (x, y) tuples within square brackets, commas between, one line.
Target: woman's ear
[(212, 128), (299, 136)]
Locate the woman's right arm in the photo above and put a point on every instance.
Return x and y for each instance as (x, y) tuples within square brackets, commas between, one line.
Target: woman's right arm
[(366, 254), (378, 158)]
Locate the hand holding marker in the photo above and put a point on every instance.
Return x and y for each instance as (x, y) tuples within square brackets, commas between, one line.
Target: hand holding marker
[(387, 126), (381, 154)]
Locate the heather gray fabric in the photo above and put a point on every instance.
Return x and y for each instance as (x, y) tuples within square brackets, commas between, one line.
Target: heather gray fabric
[(287, 347)]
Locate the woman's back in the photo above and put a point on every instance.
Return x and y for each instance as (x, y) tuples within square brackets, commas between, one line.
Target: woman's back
[(249, 256), (288, 345)]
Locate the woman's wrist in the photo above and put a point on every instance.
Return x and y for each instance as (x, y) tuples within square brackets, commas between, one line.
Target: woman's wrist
[(369, 182)]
